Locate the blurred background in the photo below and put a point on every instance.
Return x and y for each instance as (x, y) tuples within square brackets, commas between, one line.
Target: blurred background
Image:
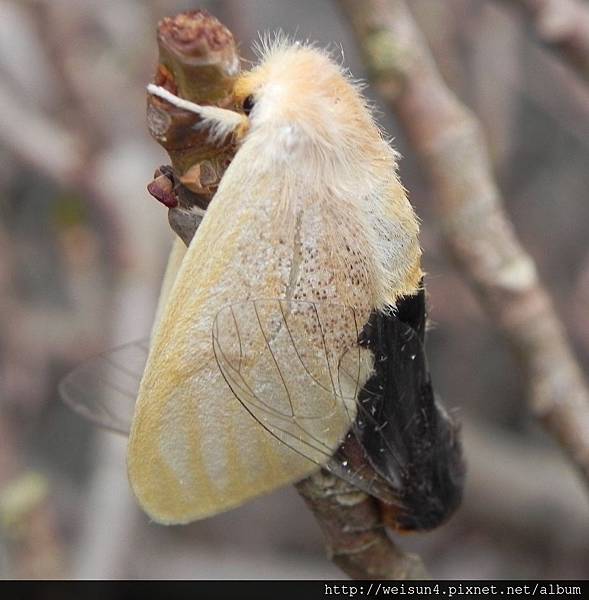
[(82, 252)]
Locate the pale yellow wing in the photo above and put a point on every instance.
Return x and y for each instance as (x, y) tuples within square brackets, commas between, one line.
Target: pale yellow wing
[(272, 386), (309, 351), (282, 363), (177, 253), (194, 451)]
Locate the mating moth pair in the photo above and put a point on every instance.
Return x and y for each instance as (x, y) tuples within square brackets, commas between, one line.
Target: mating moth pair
[(291, 333)]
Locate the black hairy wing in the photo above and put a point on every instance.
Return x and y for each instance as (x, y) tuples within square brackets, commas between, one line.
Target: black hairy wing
[(427, 469), (412, 310), (104, 389)]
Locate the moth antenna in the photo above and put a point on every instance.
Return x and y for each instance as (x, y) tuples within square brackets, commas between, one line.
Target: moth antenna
[(222, 121)]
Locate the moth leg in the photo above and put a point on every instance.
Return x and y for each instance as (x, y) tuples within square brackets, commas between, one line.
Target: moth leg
[(221, 121)]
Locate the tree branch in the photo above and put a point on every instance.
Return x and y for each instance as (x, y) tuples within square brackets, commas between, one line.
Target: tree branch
[(39, 141), (355, 536), (449, 143), (522, 488), (563, 25)]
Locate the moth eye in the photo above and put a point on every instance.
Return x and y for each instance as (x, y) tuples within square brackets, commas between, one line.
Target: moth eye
[(248, 104)]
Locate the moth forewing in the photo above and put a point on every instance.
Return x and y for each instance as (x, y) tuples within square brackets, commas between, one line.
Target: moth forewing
[(177, 253), (194, 450), (284, 368)]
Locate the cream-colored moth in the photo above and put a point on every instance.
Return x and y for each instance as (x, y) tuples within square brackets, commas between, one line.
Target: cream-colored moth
[(290, 337)]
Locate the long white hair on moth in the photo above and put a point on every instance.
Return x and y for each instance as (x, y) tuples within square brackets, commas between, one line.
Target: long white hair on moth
[(312, 127)]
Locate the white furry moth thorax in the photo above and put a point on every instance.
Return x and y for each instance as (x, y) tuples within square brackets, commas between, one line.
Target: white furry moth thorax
[(291, 333)]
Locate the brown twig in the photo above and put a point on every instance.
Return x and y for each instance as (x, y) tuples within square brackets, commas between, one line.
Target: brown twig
[(355, 537), (448, 141), (198, 61), (563, 25)]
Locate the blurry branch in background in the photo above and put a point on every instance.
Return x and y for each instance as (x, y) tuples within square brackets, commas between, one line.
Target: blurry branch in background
[(29, 533), (27, 524), (580, 300), (450, 146), (60, 152), (66, 151), (563, 25), (67, 102), (570, 108), (520, 490), (38, 141)]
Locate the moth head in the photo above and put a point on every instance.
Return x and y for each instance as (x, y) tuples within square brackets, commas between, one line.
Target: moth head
[(298, 92)]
